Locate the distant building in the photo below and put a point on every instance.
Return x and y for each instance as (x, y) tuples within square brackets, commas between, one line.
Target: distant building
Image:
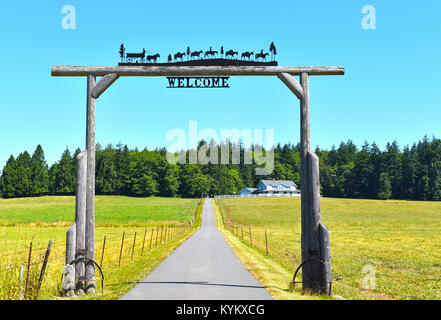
[(272, 188), (247, 191)]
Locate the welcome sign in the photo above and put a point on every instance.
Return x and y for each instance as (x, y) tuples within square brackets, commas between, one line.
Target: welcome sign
[(198, 82)]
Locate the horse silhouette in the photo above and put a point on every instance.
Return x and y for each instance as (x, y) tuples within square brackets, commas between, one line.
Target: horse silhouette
[(261, 55), (231, 53), (196, 54), (179, 55), (247, 54), (210, 53), (153, 57)]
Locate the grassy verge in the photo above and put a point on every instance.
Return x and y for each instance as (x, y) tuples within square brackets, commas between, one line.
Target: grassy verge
[(274, 277)]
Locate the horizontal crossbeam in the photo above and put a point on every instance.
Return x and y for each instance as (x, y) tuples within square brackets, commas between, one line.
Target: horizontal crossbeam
[(192, 70)]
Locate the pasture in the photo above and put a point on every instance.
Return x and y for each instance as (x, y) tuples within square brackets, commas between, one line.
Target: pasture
[(152, 228), (394, 243)]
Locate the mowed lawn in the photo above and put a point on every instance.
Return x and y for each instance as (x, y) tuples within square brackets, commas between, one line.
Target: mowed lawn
[(109, 210), (399, 240)]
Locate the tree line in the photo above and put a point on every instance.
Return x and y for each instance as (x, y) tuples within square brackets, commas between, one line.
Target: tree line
[(413, 172)]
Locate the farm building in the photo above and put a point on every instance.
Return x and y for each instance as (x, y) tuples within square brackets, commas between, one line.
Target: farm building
[(272, 188)]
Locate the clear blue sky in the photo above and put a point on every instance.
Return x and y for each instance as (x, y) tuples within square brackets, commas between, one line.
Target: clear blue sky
[(391, 90)]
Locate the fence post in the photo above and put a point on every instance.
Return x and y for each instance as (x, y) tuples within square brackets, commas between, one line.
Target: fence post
[(102, 254), (27, 272), (133, 248), (20, 281), (162, 230), (143, 241), (241, 230), (156, 240), (43, 267), (251, 238), (120, 252), (266, 243), (151, 238)]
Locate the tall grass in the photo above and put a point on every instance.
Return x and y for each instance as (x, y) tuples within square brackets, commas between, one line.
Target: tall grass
[(400, 239), (119, 276)]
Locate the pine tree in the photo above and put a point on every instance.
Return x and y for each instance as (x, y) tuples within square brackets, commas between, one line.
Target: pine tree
[(39, 172), (385, 188), (23, 186), (9, 178), (63, 180)]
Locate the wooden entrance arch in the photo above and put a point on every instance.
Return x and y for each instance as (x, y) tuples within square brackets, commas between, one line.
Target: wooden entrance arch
[(316, 275)]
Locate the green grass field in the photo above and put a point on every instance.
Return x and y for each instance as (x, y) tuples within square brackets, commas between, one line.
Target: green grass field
[(400, 239), (160, 224), (109, 210)]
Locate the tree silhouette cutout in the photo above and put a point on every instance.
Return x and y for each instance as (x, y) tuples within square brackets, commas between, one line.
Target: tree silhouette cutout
[(222, 51), (273, 51), (122, 51), (188, 53), (169, 58)]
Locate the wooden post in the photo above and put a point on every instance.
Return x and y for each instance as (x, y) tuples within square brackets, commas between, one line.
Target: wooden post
[(241, 230), (102, 253), (143, 241), (133, 248), (156, 241), (80, 220), (90, 192), (20, 282), (315, 236), (151, 238), (43, 267), (120, 251), (28, 270), (266, 243), (70, 243), (251, 237), (162, 229)]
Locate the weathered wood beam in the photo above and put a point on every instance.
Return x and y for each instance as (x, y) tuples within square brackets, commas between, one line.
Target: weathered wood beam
[(292, 84), (192, 70), (90, 187), (80, 218), (104, 83), (70, 243)]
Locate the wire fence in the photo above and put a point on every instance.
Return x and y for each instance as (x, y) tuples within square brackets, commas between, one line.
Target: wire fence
[(274, 246), (34, 269), (258, 195), (274, 243)]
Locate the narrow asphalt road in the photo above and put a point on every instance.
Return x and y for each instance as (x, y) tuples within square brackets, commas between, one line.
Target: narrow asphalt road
[(203, 268)]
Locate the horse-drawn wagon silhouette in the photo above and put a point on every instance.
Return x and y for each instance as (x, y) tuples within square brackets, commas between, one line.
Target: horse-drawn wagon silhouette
[(209, 57)]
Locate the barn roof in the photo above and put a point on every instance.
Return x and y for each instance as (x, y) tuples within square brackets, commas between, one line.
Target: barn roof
[(287, 183)]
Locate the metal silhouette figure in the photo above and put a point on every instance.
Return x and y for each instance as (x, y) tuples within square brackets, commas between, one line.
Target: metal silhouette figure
[(230, 53), (179, 55), (210, 53), (136, 57), (261, 55), (153, 57), (122, 52), (195, 54), (247, 54), (203, 58)]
